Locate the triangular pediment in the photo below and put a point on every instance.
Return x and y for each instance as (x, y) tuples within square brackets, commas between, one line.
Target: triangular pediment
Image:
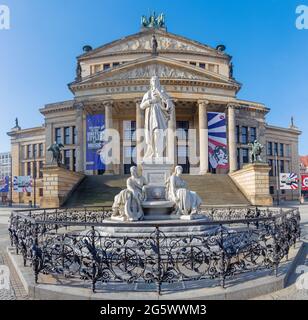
[(142, 42), (165, 68)]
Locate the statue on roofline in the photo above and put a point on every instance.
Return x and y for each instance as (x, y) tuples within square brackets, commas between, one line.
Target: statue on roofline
[(153, 21)]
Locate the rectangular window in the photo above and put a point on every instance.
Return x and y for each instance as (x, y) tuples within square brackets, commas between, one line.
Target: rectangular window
[(41, 192), (74, 160), (276, 148), (244, 135), (270, 163), (202, 65), (41, 149), (252, 134), (182, 128), (41, 168), (193, 63), (281, 149), (67, 156), (272, 190), (238, 159), (237, 134), (28, 152), (58, 137), (34, 170), (288, 150), (34, 150), (74, 135), (281, 166), (269, 148), (106, 66), (115, 64), (245, 154), (28, 168), (129, 128), (67, 135)]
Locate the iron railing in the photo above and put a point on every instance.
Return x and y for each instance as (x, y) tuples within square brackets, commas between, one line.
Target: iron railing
[(78, 244)]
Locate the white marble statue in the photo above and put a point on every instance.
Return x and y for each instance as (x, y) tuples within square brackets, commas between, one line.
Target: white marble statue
[(127, 204), (187, 202), (158, 107)]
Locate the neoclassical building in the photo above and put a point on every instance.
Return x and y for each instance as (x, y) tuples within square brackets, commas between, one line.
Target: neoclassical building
[(111, 80)]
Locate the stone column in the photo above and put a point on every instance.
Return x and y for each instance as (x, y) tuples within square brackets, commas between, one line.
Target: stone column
[(80, 139), (203, 137), (232, 138), (139, 127), (171, 151), (108, 125)]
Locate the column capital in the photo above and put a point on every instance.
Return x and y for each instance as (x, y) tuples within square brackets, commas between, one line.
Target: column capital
[(138, 101), (79, 105), (232, 106), (108, 103), (203, 103)]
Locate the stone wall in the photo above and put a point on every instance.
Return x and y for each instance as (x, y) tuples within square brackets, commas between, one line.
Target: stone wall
[(253, 181), (58, 185)]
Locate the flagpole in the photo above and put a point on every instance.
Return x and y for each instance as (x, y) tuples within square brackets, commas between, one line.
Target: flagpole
[(277, 180), (11, 182)]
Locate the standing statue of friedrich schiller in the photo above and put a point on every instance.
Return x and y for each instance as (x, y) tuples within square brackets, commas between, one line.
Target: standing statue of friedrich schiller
[(158, 108)]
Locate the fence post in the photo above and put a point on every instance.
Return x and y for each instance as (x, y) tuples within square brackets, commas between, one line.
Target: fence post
[(223, 273), (93, 259), (36, 254), (159, 271)]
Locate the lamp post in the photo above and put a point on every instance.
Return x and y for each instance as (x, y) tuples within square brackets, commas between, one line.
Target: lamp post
[(34, 177), (11, 181)]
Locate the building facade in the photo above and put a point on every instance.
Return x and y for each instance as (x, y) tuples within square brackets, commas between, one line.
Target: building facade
[(111, 80)]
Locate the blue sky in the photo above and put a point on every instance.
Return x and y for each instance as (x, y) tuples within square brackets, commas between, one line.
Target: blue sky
[(37, 55)]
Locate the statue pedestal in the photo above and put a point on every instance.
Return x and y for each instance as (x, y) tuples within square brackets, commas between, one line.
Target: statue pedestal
[(253, 181), (156, 174)]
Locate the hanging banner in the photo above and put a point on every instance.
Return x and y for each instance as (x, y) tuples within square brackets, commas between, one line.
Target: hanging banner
[(94, 141), (218, 154), (4, 184), (22, 184), (288, 181), (304, 182)]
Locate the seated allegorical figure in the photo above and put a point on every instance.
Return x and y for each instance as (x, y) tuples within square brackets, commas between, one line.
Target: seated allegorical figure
[(187, 202), (128, 202)]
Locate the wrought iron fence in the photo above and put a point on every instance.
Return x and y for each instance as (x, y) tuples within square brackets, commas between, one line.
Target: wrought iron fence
[(75, 243)]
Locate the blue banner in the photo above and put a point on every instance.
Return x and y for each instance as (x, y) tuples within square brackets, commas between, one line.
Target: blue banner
[(94, 141), (4, 184)]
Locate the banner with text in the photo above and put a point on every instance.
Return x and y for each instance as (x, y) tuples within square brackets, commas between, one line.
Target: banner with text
[(4, 184), (304, 182), (94, 140), (288, 181), (218, 154), (22, 184)]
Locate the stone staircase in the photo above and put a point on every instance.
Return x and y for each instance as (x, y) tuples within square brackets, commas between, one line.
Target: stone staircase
[(100, 190)]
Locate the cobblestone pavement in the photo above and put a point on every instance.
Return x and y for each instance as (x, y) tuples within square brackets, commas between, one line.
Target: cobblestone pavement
[(17, 291)]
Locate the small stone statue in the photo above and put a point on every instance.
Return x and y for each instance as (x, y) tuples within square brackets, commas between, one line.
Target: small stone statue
[(78, 72), (255, 152), (56, 148), (231, 67), (154, 45), (187, 202), (127, 204)]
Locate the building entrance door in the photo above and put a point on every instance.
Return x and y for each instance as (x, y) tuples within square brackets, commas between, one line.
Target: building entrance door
[(182, 128)]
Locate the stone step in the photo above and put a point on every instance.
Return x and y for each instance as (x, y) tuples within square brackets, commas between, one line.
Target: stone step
[(213, 190)]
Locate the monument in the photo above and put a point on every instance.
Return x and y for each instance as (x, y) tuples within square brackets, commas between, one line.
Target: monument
[(158, 191)]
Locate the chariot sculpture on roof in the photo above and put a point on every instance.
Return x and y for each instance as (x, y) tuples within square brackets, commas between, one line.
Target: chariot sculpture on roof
[(153, 21)]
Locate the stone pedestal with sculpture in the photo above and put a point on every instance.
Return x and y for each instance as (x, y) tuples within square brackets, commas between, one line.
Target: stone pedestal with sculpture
[(160, 192)]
